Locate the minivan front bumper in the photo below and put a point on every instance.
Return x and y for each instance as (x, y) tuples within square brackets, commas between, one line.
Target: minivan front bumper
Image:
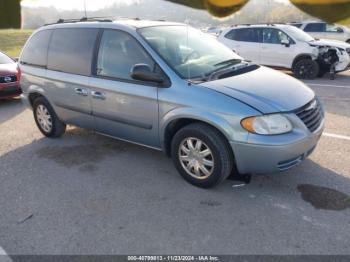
[(264, 159)]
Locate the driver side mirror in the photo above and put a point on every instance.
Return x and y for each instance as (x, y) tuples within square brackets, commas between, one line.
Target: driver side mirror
[(340, 30), (143, 72), (285, 42)]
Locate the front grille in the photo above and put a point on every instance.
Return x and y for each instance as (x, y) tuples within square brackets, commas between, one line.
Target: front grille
[(8, 79), (311, 114)]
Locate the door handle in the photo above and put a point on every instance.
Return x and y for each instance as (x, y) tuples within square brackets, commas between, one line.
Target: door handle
[(81, 91), (98, 95)]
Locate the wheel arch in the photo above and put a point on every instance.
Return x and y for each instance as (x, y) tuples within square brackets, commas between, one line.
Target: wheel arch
[(300, 57), (33, 92), (34, 95), (172, 125)]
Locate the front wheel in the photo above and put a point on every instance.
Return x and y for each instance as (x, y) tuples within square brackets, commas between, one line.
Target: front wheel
[(202, 155), (306, 69)]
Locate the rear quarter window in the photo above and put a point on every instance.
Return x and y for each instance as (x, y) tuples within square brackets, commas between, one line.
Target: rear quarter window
[(35, 51), (71, 50)]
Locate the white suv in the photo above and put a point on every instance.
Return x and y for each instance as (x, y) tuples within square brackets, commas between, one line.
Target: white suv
[(285, 46), (324, 30)]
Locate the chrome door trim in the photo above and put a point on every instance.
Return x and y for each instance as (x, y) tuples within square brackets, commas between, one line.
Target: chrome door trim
[(81, 91), (98, 95)]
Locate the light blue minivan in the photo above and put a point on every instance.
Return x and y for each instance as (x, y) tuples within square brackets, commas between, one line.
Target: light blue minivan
[(170, 87)]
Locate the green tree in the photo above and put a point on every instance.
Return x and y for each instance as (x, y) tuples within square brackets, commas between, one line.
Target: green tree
[(10, 14)]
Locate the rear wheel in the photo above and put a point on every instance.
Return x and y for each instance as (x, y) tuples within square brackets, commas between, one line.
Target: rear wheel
[(306, 69), (46, 119), (202, 155)]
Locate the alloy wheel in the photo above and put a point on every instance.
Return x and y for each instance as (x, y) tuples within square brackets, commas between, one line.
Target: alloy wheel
[(44, 118), (196, 158)]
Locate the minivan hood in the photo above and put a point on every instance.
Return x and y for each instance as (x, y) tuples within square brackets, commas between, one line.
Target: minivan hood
[(265, 89)]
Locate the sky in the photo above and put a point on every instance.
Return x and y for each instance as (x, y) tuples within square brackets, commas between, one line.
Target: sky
[(79, 4)]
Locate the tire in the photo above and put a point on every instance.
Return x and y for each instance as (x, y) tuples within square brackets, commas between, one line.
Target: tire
[(56, 128), (348, 41), (306, 69), (220, 157)]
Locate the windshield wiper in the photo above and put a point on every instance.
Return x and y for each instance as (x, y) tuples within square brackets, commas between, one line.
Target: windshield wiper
[(229, 62), (223, 67), (229, 65)]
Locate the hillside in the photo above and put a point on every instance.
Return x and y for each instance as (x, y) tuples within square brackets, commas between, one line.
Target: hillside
[(255, 11), (12, 41)]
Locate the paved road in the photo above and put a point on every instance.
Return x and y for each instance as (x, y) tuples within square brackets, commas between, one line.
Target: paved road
[(87, 194)]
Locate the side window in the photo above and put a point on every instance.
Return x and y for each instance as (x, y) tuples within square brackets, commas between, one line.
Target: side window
[(35, 52), (231, 35), (331, 28), (275, 36), (244, 35), (71, 50), (118, 53), (315, 27)]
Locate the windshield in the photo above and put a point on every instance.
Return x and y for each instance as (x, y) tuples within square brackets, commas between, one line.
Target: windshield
[(188, 51), (4, 59), (299, 34)]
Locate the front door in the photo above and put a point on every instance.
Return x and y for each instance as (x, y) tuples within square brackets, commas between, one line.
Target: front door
[(274, 51), (335, 32), (123, 107)]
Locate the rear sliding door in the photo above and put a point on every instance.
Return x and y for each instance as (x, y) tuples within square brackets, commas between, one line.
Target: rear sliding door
[(69, 69)]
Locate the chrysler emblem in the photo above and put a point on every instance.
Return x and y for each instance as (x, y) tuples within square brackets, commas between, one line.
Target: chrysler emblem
[(7, 79), (312, 106)]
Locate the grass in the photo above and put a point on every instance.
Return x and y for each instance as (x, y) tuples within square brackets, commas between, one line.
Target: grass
[(12, 41)]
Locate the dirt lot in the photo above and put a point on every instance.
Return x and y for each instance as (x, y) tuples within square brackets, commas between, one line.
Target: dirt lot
[(87, 194)]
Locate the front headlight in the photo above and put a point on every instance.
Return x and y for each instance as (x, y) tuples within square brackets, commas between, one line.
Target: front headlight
[(275, 124)]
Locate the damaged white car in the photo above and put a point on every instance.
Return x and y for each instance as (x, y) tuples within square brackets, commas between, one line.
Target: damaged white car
[(287, 47)]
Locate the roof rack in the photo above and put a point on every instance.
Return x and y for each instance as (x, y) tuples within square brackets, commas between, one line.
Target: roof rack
[(83, 19), (270, 23)]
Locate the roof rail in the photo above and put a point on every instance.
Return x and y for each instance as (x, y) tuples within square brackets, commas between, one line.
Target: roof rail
[(83, 19), (270, 23)]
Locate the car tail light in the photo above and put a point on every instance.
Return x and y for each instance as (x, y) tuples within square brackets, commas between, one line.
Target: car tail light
[(19, 73)]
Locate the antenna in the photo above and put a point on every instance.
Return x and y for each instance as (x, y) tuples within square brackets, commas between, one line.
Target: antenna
[(85, 12)]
